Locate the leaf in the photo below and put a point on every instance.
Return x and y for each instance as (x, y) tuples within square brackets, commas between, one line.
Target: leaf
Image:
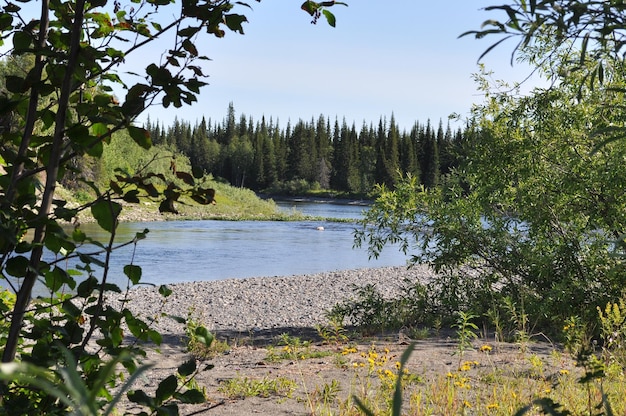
[(78, 235), (132, 196), (165, 291), (188, 32), (140, 397), (310, 7), (133, 272), (203, 336), (155, 337), (57, 277), (194, 396), (167, 205), (190, 47), (15, 84), (87, 286), (16, 266), (166, 388), (178, 319), (186, 177), (234, 22), (330, 18), (140, 135), (21, 41), (71, 309), (106, 213), (187, 368)]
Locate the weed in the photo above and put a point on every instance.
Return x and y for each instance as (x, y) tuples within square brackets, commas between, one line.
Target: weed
[(242, 387), (334, 332), (196, 346), (293, 348), (465, 332)]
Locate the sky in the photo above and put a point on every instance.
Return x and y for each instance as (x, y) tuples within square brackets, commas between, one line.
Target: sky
[(400, 57), (395, 56)]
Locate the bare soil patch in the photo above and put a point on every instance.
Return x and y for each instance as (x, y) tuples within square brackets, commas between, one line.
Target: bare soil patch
[(346, 365)]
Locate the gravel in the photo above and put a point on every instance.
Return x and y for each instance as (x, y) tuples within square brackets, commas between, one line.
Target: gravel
[(265, 303)]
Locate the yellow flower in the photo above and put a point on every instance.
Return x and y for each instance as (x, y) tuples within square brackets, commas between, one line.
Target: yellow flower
[(563, 372), (467, 404), (398, 365), (492, 406), (486, 348)]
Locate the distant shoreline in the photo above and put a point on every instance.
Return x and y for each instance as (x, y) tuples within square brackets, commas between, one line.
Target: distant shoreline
[(318, 200)]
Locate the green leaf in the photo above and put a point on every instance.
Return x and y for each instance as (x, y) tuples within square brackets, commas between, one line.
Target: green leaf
[(178, 319), (17, 266), (193, 396), (234, 22), (190, 47), (155, 336), (133, 273), (21, 41), (57, 277), (141, 136), (204, 336), (166, 388), (140, 397), (87, 286), (78, 235), (188, 32), (330, 18), (310, 7), (71, 309), (106, 213), (187, 368), (165, 291), (15, 84)]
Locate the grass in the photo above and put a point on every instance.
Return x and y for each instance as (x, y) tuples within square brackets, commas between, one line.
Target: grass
[(243, 387)]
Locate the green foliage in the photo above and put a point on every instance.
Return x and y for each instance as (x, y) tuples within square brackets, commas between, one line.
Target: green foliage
[(370, 312)]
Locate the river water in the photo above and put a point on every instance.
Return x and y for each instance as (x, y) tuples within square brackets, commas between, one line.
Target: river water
[(184, 251)]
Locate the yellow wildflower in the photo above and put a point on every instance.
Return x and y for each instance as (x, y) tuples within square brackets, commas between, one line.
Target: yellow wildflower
[(486, 348)]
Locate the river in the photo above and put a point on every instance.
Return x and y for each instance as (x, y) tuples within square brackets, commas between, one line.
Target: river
[(184, 251)]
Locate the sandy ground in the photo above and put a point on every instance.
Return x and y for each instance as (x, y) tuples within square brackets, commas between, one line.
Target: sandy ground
[(347, 365)]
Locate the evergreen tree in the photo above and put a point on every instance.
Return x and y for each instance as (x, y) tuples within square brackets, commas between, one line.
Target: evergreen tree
[(409, 154), (429, 163)]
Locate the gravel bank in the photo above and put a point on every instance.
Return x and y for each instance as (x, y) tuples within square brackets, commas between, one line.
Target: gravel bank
[(264, 303)]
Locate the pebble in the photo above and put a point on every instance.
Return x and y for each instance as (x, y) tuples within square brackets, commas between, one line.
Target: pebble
[(299, 301)]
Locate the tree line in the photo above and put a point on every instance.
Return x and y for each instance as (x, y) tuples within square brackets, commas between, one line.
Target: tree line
[(319, 154)]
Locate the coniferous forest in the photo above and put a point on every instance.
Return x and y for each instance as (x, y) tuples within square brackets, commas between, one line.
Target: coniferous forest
[(319, 154)]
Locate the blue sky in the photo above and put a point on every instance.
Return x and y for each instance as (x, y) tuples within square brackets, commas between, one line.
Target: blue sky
[(400, 56), (395, 56)]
